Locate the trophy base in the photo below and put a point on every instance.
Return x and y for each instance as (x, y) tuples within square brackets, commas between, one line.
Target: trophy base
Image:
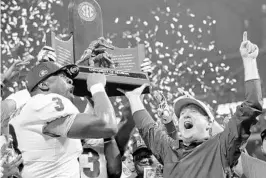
[(114, 79)]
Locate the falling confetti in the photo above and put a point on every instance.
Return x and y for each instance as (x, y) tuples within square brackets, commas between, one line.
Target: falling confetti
[(24, 32), (180, 55)]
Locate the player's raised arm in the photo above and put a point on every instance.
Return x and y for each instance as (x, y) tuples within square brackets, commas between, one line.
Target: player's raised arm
[(100, 124)]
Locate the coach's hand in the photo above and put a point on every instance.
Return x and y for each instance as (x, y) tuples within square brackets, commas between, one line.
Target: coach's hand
[(95, 78), (248, 50), (135, 93), (135, 98)]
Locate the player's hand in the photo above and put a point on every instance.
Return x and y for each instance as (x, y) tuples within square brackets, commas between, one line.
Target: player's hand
[(13, 71), (12, 167), (95, 78), (248, 50), (146, 66), (47, 53), (135, 93)]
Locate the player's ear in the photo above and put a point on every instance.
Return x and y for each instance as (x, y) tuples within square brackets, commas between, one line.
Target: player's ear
[(43, 86)]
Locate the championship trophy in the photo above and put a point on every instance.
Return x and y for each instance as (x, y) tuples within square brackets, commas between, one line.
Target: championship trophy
[(85, 26)]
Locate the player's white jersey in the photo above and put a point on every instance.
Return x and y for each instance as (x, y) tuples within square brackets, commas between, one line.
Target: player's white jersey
[(46, 156), (20, 97)]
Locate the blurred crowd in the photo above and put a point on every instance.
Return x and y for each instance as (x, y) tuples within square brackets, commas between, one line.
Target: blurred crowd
[(136, 148)]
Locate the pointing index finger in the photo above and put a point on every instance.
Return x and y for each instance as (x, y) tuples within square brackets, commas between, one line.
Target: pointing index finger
[(245, 36)]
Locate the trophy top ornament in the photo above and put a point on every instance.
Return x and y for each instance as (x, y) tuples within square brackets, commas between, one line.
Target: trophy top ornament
[(87, 11)]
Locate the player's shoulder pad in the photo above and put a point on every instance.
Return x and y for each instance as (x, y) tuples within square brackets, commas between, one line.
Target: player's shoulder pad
[(21, 93), (20, 97)]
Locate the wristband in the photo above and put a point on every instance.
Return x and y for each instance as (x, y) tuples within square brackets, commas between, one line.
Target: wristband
[(97, 88)]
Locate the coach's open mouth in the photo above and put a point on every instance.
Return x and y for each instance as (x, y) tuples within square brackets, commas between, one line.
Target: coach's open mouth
[(188, 124)]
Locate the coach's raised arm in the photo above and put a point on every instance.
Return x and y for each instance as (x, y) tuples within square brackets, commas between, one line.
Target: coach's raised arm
[(238, 129)]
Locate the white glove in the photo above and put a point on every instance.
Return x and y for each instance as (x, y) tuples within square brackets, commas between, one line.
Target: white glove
[(146, 66), (164, 111), (47, 53)]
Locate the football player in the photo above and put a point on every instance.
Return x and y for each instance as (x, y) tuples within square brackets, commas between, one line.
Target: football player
[(49, 127), (47, 53)]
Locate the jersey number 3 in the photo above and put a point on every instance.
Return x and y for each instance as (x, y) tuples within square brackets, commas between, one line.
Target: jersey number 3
[(93, 169), (90, 164), (59, 104)]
